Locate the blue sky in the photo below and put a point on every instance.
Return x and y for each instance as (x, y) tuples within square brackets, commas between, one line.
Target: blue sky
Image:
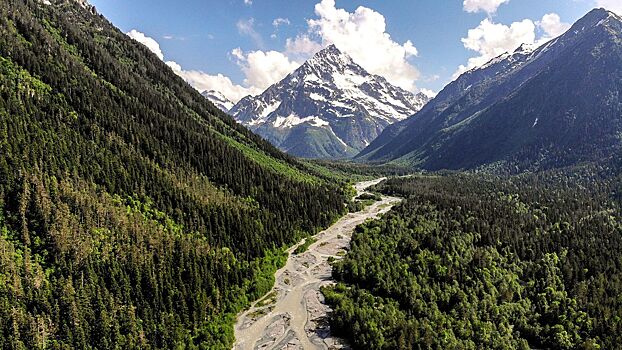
[(243, 46)]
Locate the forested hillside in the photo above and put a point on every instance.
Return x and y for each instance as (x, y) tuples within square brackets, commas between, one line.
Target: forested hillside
[(133, 213), (485, 262)]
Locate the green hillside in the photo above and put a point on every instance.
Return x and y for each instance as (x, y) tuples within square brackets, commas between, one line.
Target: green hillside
[(133, 213)]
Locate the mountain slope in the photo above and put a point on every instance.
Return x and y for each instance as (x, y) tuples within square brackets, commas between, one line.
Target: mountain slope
[(558, 104), (133, 213), (330, 107), (218, 99)]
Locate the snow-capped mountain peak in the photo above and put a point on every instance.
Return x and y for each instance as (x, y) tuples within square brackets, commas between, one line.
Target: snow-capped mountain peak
[(331, 58), (218, 99), (330, 107)]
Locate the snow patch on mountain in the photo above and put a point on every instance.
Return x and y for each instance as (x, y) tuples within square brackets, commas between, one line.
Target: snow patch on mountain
[(329, 91), (218, 99), (293, 120)]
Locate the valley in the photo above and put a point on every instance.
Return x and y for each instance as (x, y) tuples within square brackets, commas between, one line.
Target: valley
[(203, 178), (293, 315)]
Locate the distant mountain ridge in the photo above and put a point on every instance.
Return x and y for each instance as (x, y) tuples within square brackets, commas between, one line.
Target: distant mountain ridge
[(553, 105), (330, 107), (218, 99)]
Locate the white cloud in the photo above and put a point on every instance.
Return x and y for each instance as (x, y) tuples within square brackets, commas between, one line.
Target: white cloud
[(491, 39), (174, 66), (237, 53), (362, 34), (247, 27), (203, 81), (429, 93), (302, 46), (611, 5), (150, 43), (248, 2), (262, 68), (488, 6), (552, 26), (281, 21), (197, 79)]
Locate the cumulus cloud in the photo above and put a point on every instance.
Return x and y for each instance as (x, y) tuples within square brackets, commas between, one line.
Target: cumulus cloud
[(302, 46), (362, 34), (262, 69), (197, 79), (491, 39), (552, 26), (203, 81), (248, 2), (150, 43), (488, 6), (611, 5)]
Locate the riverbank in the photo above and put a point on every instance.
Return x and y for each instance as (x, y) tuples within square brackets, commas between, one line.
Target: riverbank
[(292, 315)]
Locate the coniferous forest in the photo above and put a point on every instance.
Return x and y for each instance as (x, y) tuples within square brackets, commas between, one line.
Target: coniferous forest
[(471, 261), (133, 213)]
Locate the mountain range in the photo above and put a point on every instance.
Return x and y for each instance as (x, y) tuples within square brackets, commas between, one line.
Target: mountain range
[(330, 107), (554, 105)]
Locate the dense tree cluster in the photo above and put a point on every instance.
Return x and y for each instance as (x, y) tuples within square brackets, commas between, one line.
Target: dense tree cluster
[(133, 213), (488, 262)]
